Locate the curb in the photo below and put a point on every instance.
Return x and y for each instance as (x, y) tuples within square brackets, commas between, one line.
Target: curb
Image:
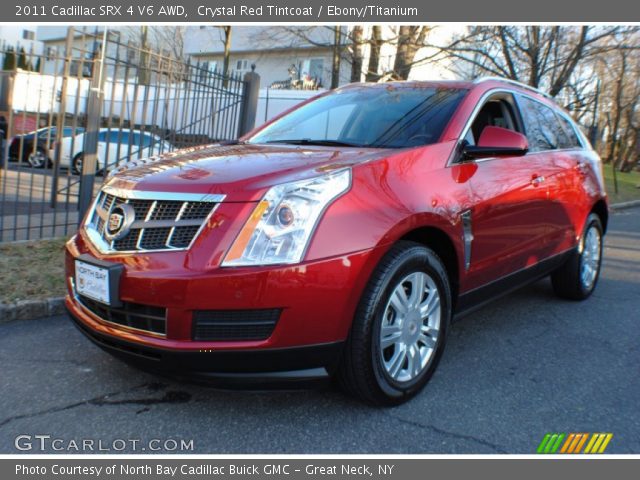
[(31, 309), (625, 205)]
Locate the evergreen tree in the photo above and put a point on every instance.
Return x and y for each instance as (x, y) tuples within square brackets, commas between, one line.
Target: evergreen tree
[(22, 60), (9, 59)]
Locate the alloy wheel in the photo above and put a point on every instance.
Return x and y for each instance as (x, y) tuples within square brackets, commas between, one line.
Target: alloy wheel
[(410, 327), (37, 159), (590, 258)]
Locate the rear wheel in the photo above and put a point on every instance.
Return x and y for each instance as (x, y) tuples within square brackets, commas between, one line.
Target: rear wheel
[(77, 164), (577, 278), (400, 327)]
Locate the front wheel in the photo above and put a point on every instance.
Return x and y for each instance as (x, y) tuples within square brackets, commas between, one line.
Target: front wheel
[(38, 159), (400, 327), (577, 278)]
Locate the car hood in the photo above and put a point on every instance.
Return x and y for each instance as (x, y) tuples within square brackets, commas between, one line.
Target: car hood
[(240, 172)]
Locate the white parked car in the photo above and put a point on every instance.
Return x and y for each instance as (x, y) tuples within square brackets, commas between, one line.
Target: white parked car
[(114, 147)]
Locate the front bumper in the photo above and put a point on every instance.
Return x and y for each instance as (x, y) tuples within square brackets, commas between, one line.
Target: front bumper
[(317, 302), (275, 367)]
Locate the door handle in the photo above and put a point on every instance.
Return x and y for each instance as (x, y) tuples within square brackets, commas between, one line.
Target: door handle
[(537, 180)]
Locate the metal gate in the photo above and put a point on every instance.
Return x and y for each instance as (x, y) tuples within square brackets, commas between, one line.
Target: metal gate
[(70, 116)]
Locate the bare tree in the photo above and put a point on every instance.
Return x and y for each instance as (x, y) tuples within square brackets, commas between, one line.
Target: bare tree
[(357, 47), (335, 57), (375, 44), (619, 104), (336, 38), (170, 39), (410, 40), (167, 39), (227, 49), (542, 56)]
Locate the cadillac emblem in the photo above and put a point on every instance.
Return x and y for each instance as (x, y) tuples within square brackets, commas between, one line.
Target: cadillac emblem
[(119, 222)]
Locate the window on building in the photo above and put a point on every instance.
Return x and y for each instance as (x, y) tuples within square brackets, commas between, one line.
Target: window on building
[(242, 65), (51, 53), (28, 35), (313, 69)]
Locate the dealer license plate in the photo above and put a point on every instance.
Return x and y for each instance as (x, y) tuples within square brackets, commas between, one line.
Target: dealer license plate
[(92, 281)]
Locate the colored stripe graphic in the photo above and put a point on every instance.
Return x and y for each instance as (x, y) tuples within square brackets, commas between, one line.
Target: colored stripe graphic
[(551, 442), (598, 443), (574, 442)]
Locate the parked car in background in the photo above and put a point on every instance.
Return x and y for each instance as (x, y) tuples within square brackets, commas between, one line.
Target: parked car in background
[(21, 147), (115, 147), (341, 238)]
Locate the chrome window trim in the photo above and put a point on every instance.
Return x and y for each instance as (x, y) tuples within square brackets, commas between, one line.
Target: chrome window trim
[(106, 248), (512, 82)]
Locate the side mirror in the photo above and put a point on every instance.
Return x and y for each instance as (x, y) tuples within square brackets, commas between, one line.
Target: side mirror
[(497, 142)]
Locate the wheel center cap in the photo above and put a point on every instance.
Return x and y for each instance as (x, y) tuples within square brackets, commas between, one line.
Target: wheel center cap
[(412, 328)]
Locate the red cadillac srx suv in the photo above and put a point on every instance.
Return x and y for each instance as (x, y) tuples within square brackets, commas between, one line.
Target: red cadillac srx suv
[(341, 238)]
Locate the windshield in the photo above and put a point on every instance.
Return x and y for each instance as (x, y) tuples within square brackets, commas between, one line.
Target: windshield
[(391, 117)]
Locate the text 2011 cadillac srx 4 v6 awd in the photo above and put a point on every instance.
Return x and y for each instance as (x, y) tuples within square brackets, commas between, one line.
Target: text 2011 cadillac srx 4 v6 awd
[(341, 238)]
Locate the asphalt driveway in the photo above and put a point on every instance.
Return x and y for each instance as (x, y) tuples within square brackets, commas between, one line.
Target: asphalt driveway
[(526, 365)]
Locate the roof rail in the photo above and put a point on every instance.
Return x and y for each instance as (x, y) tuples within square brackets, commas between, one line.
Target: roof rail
[(513, 82)]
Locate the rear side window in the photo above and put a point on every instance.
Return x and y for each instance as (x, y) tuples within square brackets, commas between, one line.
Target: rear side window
[(147, 140), (70, 132), (117, 136), (542, 126), (572, 140), (144, 138)]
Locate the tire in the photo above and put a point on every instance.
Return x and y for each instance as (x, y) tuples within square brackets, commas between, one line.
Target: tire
[(578, 277), (38, 159), (76, 164), (372, 367)]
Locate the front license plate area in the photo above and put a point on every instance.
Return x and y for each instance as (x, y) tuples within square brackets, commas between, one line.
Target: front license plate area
[(98, 280)]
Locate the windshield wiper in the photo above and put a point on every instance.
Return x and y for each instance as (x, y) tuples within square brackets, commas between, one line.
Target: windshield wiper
[(308, 141)]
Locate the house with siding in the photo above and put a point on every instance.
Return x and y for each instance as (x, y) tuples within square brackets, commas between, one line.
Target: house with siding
[(278, 55)]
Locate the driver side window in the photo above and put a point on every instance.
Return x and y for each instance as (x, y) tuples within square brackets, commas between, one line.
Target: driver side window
[(497, 111)]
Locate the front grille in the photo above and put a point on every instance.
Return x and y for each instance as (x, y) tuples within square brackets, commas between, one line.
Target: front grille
[(159, 224), (234, 325), (133, 315)]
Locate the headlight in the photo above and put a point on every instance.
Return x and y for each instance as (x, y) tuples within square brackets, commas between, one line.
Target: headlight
[(281, 226)]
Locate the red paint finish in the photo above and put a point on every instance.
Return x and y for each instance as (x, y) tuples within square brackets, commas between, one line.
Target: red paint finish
[(517, 221), (502, 138)]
